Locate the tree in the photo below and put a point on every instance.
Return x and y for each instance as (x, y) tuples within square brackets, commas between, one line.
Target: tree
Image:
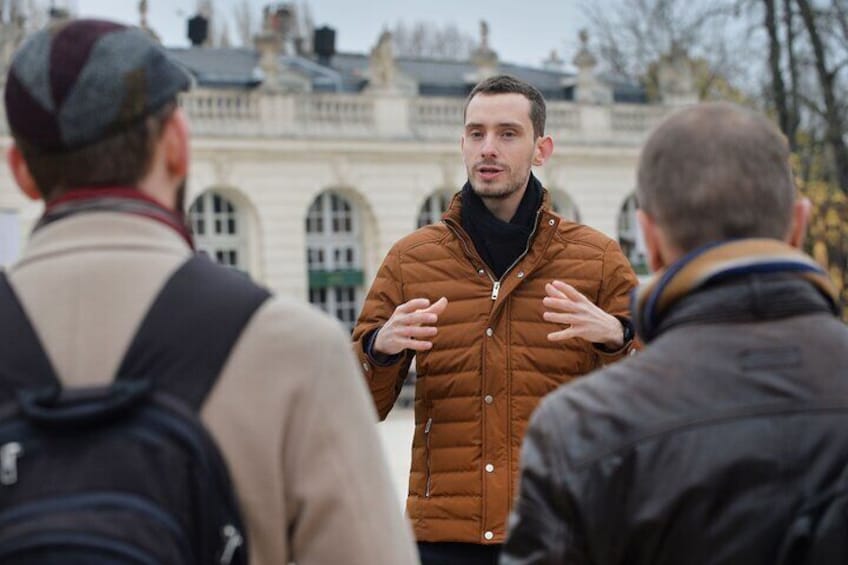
[(800, 84), (426, 39), (828, 76), (633, 36), (245, 22)]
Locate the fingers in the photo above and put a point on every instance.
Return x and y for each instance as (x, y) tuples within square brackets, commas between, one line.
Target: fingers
[(562, 335), (553, 292), (415, 345), (412, 305), (565, 290), (560, 304), (438, 306), (559, 318), (411, 326), (567, 320)]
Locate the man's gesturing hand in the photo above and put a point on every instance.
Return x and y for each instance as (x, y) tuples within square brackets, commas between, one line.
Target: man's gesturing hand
[(581, 316), (410, 327)]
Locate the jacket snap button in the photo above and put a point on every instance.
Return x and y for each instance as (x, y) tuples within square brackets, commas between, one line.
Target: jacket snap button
[(490, 332), (488, 535), (551, 222), (489, 399), (365, 367), (481, 272), (490, 468), (521, 275)]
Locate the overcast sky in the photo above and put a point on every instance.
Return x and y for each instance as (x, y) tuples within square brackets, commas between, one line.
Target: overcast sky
[(520, 31)]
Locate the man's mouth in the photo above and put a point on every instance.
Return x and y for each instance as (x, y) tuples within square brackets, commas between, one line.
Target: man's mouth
[(489, 172)]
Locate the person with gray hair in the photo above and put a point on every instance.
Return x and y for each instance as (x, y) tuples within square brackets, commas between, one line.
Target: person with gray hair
[(721, 442)]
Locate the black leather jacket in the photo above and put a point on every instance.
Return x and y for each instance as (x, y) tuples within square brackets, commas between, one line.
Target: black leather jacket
[(709, 447)]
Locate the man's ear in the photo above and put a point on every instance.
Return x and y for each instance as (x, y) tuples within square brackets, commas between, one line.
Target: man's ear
[(175, 141), (543, 150), (20, 170), (801, 210), (653, 240)]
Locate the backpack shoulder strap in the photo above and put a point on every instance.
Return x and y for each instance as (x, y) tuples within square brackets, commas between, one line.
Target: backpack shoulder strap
[(189, 331), (23, 361)]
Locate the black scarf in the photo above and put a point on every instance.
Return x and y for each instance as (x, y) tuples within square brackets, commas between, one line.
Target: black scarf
[(500, 243)]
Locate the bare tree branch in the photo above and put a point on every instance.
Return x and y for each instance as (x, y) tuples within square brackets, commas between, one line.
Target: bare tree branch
[(835, 131)]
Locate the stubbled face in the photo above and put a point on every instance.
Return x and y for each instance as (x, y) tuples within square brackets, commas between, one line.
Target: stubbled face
[(498, 144)]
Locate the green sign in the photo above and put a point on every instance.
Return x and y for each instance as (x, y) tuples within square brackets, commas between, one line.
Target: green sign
[(325, 279)]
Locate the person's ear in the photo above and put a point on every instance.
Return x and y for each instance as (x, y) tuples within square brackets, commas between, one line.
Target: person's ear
[(543, 150), (23, 176), (801, 210), (175, 141), (653, 240)]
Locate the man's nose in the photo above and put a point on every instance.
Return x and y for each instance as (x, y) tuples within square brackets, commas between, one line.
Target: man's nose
[(489, 146)]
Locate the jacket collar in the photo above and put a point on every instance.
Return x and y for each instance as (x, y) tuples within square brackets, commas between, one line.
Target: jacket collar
[(101, 231), (740, 273), (127, 200)]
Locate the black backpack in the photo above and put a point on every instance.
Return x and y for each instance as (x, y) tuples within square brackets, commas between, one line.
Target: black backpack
[(124, 474)]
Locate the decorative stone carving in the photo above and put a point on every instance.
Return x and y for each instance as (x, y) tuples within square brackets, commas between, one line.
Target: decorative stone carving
[(676, 81), (554, 62), (589, 90), (484, 57), (382, 68), (384, 76), (142, 20), (272, 43)]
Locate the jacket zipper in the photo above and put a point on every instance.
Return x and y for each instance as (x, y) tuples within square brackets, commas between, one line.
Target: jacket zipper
[(427, 427), (496, 284)]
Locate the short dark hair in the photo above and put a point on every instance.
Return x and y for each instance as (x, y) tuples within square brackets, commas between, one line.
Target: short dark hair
[(505, 84), (714, 172), (122, 159)]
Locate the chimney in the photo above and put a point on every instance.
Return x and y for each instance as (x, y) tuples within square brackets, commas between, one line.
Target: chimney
[(198, 30), (325, 44)]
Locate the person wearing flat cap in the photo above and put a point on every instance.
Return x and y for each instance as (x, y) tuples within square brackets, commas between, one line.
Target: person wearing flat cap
[(99, 136)]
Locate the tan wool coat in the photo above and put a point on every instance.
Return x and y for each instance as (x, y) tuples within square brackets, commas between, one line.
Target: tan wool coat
[(289, 411)]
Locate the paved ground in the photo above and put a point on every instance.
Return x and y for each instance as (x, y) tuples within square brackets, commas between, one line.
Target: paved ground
[(396, 433)]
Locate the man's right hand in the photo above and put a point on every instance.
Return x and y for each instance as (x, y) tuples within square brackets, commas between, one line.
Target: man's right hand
[(411, 326)]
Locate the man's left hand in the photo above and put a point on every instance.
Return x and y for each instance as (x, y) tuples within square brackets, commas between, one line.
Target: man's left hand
[(566, 305)]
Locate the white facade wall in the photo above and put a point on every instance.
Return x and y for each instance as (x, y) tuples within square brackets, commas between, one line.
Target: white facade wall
[(380, 154)]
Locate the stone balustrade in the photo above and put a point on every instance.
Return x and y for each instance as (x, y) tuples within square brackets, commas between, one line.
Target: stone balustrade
[(246, 114), (367, 116)]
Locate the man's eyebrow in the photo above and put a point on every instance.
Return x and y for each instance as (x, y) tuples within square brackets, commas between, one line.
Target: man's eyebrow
[(471, 125)]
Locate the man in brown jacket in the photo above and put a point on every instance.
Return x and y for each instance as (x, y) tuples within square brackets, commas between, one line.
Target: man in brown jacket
[(498, 305), (99, 137)]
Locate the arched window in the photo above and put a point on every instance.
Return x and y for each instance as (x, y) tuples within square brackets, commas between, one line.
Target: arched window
[(630, 236), (563, 205), (433, 207), (218, 229), (334, 256)]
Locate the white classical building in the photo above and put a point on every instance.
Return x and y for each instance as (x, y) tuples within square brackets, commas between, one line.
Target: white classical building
[(307, 165)]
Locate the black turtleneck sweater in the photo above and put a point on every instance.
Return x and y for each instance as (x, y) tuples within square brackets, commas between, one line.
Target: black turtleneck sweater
[(500, 243)]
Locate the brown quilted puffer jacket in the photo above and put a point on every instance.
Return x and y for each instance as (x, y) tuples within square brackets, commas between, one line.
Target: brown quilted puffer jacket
[(490, 364)]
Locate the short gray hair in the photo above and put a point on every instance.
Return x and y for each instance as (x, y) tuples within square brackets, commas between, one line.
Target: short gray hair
[(714, 172)]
